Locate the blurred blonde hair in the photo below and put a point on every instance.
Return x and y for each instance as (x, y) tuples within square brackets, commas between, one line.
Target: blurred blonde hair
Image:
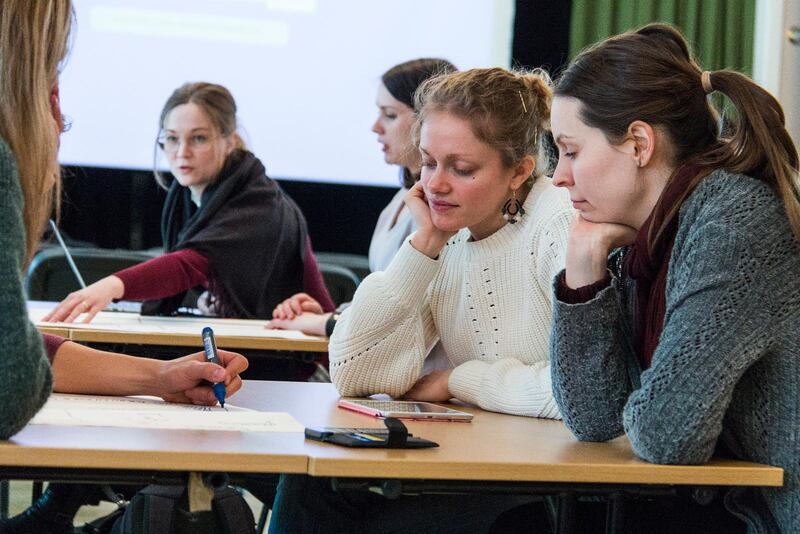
[(34, 38)]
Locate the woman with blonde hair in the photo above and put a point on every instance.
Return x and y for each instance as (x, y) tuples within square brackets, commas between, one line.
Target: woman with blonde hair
[(33, 42), (474, 281)]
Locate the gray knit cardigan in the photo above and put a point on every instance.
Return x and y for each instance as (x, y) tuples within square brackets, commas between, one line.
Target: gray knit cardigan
[(25, 376), (727, 365)]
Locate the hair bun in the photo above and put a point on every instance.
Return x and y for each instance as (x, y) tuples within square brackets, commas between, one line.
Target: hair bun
[(540, 91)]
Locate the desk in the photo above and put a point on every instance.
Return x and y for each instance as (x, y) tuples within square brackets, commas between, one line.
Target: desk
[(134, 329), (525, 449)]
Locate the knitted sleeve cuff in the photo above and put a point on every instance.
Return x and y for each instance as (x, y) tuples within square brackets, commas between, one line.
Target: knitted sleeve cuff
[(582, 294)]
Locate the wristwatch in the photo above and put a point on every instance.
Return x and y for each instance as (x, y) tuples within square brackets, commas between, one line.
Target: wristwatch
[(330, 324)]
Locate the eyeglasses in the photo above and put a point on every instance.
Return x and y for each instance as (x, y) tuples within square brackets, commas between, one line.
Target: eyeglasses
[(196, 143)]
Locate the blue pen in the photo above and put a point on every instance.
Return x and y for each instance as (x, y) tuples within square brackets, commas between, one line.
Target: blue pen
[(211, 355)]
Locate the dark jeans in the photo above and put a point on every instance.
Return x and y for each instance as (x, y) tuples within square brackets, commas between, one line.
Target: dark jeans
[(310, 505)]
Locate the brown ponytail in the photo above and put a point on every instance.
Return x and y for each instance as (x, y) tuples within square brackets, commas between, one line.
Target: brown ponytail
[(759, 144), (650, 75)]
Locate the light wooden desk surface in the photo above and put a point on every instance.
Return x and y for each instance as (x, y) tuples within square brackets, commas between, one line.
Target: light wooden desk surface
[(492, 447), (131, 328)]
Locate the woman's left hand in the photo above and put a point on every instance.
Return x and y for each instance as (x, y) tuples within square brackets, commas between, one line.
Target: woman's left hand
[(428, 239), (588, 247), (309, 323), (432, 387), (188, 380)]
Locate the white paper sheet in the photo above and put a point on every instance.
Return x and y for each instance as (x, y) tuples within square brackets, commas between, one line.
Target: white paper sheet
[(149, 412), (132, 322)]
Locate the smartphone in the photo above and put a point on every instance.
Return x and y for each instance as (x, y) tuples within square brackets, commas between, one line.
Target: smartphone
[(365, 438), (404, 409)]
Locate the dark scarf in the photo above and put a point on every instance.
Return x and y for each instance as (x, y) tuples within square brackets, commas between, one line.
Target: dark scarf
[(252, 234), (649, 267)]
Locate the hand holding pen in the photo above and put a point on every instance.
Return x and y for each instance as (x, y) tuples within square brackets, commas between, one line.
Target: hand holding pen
[(189, 379), (210, 346)]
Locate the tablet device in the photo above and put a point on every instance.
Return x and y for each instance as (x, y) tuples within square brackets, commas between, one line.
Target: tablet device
[(404, 409)]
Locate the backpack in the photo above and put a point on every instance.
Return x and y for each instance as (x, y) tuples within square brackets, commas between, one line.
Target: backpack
[(164, 510)]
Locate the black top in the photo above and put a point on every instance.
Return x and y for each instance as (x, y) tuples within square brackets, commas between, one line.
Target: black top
[(251, 232)]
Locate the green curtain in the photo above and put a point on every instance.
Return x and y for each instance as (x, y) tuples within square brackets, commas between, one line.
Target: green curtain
[(719, 31)]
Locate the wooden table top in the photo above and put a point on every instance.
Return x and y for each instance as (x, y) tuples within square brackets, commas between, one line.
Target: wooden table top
[(131, 328), (492, 447)]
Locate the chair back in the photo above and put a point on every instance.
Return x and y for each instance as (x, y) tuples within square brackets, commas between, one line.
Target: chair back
[(340, 281), (50, 277), (357, 263)]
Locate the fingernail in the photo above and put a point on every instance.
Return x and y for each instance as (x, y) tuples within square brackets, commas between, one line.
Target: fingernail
[(218, 375)]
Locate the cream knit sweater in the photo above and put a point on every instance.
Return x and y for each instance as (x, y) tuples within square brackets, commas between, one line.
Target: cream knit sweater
[(488, 302)]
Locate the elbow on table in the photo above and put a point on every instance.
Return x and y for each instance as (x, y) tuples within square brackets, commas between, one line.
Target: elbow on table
[(665, 455), (9, 427), (592, 431), (594, 435), (342, 381), (14, 417), (660, 446), (352, 383), (346, 389)]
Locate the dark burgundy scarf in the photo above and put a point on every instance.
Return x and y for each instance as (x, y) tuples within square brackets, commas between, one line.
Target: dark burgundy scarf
[(649, 267), (253, 235)]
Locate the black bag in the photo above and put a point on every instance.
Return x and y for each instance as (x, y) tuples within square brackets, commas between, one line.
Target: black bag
[(164, 510)]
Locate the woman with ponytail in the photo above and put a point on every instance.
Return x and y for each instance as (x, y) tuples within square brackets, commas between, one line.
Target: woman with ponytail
[(473, 282), (677, 318)]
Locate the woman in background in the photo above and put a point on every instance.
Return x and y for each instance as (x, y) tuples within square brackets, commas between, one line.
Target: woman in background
[(226, 226), (33, 42), (395, 102), (687, 336)]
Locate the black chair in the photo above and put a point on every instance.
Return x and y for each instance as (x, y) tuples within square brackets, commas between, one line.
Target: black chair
[(355, 262), (50, 277), (340, 281)]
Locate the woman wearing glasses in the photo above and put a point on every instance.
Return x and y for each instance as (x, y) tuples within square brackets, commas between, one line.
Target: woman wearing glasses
[(226, 226)]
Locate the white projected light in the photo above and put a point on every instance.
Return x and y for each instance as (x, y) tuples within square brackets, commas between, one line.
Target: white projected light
[(303, 72)]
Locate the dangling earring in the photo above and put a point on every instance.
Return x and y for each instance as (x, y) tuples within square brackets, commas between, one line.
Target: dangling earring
[(512, 210)]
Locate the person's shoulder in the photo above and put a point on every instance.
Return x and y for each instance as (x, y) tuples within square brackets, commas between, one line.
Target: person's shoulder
[(733, 197), (7, 159), (722, 182), (8, 166), (739, 203), (5, 150)]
